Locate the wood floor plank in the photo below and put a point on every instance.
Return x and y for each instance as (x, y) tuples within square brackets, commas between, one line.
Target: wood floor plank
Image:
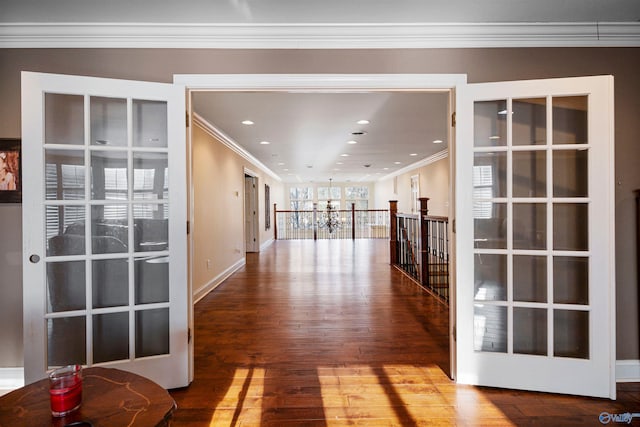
[(326, 333)]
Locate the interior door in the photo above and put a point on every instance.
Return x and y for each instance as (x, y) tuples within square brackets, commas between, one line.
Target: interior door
[(535, 290), (104, 208), (251, 214)]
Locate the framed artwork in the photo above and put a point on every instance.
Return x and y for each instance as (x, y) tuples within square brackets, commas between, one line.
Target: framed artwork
[(267, 205), (10, 171)]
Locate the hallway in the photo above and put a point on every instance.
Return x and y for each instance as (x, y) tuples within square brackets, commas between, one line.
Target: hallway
[(326, 333)]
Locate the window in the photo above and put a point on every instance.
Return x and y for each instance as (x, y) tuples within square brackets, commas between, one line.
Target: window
[(301, 198), (482, 189), (329, 193), (358, 196)]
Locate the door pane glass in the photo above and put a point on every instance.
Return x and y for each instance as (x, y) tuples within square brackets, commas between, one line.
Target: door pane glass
[(64, 119), (571, 280), (529, 174), (570, 120), (530, 330), (152, 280), (490, 123), (64, 174), (110, 283), (571, 334), (149, 176), (570, 178), (109, 229), (529, 121), (490, 328), (65, 230), (489, 175), (66, 286), (529, 226), (570, 226), (108, 121), (152, 332), (66, 341), (151, 232), (529, 278), (490, 277), (490, 225), (149, 123), (110, 337), (109, 180)]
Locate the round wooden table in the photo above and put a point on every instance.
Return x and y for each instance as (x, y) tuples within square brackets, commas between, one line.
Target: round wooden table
[(110, 397)]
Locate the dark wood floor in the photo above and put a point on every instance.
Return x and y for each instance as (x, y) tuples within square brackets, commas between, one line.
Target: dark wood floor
[(326, 333)]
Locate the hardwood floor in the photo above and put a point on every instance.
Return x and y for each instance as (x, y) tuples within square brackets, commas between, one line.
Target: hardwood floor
[(326, 333)]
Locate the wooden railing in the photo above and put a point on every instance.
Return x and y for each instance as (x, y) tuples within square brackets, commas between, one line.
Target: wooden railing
[(419, 246), (351, 224)]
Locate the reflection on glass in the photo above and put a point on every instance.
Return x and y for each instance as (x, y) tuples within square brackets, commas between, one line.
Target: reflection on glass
[(490, 328), (571, 334), (149, 123), (148, 176), (152, 227), (109, 179), (490, 277), (530, 331), (152, 280), (529, 174), (64, 119), (110, 337), (529, 226), (529, 121), (529, 278), (570, 178), (65, 230), (570, 125), (489, 175), (108, 121), (570, 280), (66, 341), (490, 225), (109, 229), (110, 279), (570, 226), (66, 286), (64, 174), (490, 123), (152, 332)]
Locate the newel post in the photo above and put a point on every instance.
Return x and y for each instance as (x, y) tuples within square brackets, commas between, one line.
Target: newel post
[(393, 232), (275, 221), (424, 241)]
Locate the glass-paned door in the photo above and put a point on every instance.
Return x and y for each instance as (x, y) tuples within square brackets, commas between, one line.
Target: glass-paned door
[(535, 270), (104, 198)]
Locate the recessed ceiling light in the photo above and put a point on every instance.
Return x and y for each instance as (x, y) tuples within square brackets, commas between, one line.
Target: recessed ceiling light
[(386, 169), (352, 142), (413, 154), (363, 122), (437, 141), (264, 143), (286, 170), (344, 155), (397, 163), (339, 163), (247, 122), (494, 137), (280, 164)]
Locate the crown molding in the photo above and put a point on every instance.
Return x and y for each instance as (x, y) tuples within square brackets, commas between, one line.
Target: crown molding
[(318, 36), (224, 139), (412, 167)]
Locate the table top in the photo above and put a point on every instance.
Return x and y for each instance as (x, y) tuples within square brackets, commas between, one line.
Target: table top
[(110, 397)]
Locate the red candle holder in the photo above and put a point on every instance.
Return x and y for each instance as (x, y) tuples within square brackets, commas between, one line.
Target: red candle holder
[(65, 389)]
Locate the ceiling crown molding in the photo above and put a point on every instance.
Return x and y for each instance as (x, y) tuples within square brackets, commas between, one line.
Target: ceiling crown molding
[(318, 36)]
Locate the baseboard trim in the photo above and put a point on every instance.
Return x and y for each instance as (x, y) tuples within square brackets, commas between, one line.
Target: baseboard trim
[(266, 244), (11, 379), (628, 371), (216, 281)]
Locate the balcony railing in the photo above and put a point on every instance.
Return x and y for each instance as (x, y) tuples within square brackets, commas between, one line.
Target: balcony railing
[(351, 224), (419, 246)]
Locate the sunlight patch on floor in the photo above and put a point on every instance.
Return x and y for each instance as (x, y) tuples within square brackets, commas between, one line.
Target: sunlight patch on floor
[(245, 395)]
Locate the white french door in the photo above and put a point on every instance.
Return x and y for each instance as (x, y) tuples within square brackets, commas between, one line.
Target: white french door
[(535, 292), (104, 214)]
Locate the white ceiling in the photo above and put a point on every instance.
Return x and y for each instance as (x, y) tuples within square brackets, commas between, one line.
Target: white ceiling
[(308, 133)]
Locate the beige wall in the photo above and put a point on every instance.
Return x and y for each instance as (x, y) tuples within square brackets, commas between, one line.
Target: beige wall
[(480, 65), (434, 184), (218, 225)]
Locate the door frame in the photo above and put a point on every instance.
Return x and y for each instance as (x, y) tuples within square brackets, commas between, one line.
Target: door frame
[(336, 83), (252, 223)]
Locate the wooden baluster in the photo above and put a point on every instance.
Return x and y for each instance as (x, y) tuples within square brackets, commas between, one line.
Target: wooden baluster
[(275, 221), (424, 242), (393, 232)]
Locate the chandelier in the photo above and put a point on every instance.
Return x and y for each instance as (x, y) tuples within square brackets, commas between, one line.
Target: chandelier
[(330, 217)]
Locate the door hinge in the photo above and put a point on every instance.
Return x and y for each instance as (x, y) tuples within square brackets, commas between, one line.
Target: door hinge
[(454, 332), (453, 225), (188, 227), (453, 119), (186, 113), (189, 335)]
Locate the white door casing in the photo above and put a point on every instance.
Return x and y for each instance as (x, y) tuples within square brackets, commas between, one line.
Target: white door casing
[(109, 153)]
